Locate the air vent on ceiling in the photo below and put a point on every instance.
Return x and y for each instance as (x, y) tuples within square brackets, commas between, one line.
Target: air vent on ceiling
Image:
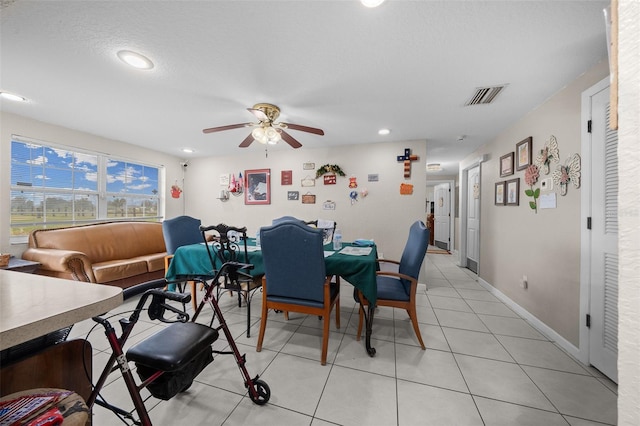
[(484, 95)]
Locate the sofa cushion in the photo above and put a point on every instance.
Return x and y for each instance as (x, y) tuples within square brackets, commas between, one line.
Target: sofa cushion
[(155, 262), (118, 269)]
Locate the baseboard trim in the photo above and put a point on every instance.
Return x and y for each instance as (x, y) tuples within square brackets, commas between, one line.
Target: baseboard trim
[(547, 331)]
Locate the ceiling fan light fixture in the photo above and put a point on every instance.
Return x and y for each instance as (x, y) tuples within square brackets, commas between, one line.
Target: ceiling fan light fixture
[(135, 60), (259, 134)]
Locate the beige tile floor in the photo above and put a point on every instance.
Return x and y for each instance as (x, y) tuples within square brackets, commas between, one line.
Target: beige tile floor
[(484, 365)]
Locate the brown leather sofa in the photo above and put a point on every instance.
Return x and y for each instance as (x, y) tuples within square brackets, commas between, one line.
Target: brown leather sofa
[(113, 253)]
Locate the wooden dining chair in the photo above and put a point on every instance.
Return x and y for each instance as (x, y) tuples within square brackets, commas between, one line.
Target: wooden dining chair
[(177, 232), (397, 289), (229, 244), (295, 277)]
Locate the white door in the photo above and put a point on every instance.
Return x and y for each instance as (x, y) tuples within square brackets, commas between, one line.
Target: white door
[(473, 218), (442, 215), (603, 333)]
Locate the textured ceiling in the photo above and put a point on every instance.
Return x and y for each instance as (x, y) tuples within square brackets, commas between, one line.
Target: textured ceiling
[(407, 65)]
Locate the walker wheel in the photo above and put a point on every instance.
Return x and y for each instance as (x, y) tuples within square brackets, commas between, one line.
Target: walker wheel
[(263, 391)]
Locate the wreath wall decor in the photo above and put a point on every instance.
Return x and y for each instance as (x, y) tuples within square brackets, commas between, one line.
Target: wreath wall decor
[(329, 168)]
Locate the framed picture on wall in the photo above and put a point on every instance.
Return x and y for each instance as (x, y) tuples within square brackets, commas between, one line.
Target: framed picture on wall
[(513, 192), (524, 154), (506, 165), (499, 197), (257, 185)]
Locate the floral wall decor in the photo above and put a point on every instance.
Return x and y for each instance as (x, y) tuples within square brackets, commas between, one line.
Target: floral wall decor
[(329, 168), (568, 173), (531, 175), (549, 153)]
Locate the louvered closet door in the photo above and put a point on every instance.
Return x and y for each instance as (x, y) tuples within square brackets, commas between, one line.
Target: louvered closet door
[(603, 341)]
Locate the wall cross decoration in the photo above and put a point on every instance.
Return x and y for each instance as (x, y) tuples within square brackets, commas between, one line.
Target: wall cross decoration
[(407, 158)]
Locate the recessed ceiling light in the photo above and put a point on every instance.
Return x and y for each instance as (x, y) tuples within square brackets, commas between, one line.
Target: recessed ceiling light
[(384, 132), (372, 3), (12, 97), (136, 60), (188, 150)]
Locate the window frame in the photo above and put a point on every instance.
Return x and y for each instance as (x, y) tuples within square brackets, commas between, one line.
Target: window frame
[(100, 194)]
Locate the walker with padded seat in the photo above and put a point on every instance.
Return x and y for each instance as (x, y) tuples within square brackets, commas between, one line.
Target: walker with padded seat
[(169, 361)]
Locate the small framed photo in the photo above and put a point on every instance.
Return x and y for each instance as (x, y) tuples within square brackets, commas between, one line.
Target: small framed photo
[(499, 197), (513, 192), (506, 165), (524, 154), (258, 186), (293, 195), (308, 166)]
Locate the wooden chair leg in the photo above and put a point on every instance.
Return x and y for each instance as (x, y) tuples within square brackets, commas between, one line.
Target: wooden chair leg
[(263, 323), (325, 338), (414, 320)]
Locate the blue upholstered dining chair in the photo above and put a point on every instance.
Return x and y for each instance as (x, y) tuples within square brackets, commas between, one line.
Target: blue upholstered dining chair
[(295, 278), (181, 231), (286, 219), (397, 289)]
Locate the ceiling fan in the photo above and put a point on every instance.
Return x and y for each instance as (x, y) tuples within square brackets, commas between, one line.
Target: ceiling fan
[(267, 131)]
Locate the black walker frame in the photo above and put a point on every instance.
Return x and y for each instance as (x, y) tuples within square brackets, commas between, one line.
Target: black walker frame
[(166, 366)]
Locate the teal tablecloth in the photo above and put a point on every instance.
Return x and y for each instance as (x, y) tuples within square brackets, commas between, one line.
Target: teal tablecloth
[(360, 271)]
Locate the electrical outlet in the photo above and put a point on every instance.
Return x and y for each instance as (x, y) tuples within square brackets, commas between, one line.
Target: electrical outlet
[(524, 283)]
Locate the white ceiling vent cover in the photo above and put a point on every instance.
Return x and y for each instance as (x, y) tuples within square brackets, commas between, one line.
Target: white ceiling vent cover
[(485, 95)]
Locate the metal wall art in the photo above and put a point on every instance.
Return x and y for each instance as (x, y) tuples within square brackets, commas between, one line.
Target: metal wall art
[(568, 173), (550, 153)]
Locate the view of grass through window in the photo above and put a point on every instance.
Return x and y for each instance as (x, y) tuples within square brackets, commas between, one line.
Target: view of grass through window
[(53, 187)]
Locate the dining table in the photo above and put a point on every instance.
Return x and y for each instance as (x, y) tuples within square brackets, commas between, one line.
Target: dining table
[(353, 263)]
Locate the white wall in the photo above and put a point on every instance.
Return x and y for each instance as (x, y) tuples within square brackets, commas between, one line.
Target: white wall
[(383, 215), (515, 241), (629, 210), (12, 124)]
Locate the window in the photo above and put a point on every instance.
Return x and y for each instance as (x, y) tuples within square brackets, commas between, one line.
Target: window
[(52, 187)]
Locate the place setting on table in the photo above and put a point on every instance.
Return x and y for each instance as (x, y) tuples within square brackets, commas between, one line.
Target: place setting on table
[(354, 261)]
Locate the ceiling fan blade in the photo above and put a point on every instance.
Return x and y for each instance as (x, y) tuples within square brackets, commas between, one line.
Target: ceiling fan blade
[(304, 128), (260, 115), (247, 141), (229, 127), (290, 139)]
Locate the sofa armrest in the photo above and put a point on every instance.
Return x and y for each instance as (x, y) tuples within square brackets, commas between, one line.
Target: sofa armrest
[(62, 261)]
